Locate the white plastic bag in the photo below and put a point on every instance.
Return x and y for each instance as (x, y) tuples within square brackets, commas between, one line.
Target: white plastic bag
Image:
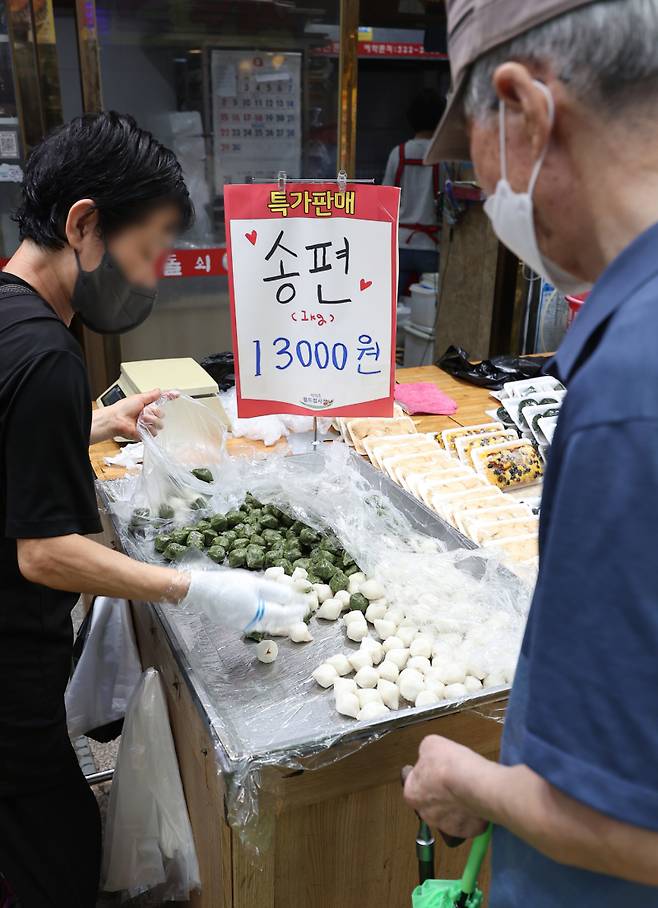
[(108, 669), (268, 429), (148, 839)]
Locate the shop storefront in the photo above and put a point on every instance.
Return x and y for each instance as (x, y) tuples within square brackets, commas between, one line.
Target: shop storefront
[(239, 91)]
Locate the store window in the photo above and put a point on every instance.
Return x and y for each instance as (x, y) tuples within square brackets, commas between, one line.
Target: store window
[(11, 155), (239, 90)]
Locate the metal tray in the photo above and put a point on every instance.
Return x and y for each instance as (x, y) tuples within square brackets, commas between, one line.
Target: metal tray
[(246, 718)]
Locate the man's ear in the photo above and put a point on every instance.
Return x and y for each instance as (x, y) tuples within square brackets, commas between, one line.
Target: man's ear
[(82, 220), (516, 86)]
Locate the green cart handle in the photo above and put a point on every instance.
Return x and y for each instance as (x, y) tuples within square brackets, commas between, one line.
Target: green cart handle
[(475, 859)]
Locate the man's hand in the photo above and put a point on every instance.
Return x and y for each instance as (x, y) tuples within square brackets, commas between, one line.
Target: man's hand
[(121, 418), (428, 787)]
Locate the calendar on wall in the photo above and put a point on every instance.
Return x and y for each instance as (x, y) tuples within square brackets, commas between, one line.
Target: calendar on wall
[(256, 110)]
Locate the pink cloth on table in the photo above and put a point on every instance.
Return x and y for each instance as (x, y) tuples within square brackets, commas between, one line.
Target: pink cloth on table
[(424, 397)]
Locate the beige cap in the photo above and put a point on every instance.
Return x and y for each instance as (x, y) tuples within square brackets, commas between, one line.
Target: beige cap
[(474, 27)]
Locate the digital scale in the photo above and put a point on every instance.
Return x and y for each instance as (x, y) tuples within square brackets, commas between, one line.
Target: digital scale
[(182, 374)]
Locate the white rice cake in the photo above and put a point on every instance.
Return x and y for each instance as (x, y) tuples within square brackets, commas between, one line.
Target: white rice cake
[(450, 486), (341, 424), (469, 517), (446, 505), (399, 466), (486, 532), (519, 548), (359, 429), (377, 447), (416, 478)]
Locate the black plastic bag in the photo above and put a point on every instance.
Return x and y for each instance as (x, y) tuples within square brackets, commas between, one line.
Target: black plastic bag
[(220, 366), (491, 373)]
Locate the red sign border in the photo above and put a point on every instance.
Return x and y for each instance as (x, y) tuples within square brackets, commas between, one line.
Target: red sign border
[(249, 407)]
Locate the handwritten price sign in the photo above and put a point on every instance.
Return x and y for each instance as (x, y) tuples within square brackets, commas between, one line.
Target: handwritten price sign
[(313, 280)]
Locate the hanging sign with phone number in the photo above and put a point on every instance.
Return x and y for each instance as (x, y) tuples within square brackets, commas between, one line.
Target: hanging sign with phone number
[(313, 284)]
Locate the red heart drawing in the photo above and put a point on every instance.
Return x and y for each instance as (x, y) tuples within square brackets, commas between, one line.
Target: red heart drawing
[(252, 237), (365, 284)]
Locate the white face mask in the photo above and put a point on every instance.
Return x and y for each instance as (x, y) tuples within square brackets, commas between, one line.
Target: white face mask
[(511, 215)]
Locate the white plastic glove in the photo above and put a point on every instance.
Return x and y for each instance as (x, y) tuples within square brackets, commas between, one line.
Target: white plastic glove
[(242, 601)]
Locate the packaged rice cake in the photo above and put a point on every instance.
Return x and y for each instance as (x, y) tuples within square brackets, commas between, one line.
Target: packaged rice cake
[(519, 548), (517, 407), (466, 443), (487, 532), (439, 473), (531, 386), (360, 429), (433, 457), (509, 465), (449, 485), (377, 447), (418, 463), (467, 519), (447, 504), (342, 424), (450, 436)]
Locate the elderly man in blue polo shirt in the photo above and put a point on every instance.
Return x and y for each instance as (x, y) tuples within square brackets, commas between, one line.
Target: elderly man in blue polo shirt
[(559, 99)]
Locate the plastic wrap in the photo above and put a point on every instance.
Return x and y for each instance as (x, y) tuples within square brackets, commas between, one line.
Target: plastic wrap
[(148, 841), (272, 717), (496, 712)]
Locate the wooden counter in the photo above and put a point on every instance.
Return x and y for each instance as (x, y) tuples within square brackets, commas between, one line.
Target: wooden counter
[(342, 836), (472, 402)]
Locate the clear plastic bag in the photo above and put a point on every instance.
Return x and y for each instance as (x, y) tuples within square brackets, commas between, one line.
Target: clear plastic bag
[(192, 439), (148, 839), (107, 672)]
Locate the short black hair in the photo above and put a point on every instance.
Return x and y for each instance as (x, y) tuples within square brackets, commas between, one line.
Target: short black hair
[(105, 157), (426, 110)]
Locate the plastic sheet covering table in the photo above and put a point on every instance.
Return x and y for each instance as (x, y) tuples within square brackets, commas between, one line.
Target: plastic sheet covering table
[(273, 740)]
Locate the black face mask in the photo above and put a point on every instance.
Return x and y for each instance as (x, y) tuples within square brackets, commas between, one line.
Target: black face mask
[(106, 301)]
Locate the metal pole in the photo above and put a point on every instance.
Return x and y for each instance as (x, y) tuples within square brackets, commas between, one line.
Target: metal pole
[(348, 72), (97, 778)]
